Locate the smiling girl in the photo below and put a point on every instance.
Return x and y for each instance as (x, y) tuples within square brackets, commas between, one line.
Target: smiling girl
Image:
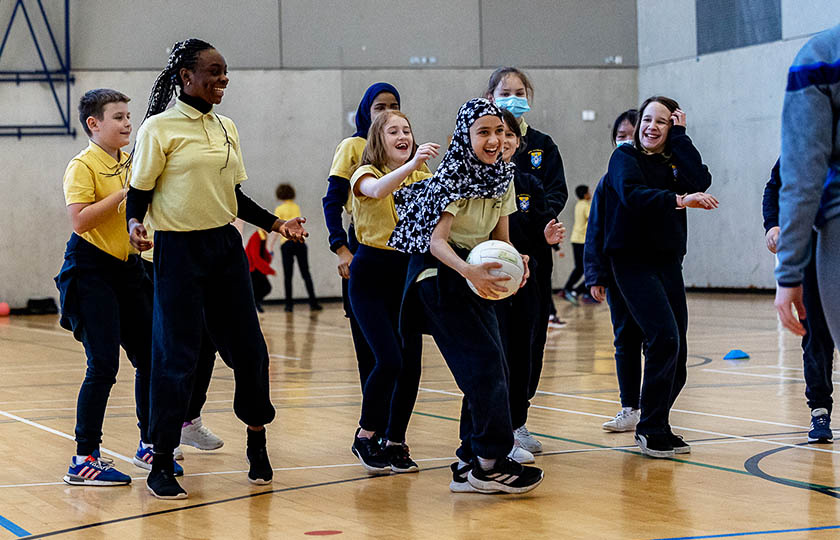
[(377, 277), (647, 188), (466, 202)]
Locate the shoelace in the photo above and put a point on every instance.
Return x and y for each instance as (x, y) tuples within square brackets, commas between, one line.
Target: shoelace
[(523, 432), (104, 463), (820, 421)]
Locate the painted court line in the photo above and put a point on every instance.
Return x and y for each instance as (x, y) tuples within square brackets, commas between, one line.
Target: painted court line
[(727, 417), (61, 434), (760, 375), (705, 432), (753, 533), (13, 528)]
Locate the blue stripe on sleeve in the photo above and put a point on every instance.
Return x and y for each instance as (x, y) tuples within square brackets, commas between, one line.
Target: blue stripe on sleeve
[(800, 77)]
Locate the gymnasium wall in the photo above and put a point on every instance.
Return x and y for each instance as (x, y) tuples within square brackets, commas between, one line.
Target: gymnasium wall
[(298, 69), (733, 101)]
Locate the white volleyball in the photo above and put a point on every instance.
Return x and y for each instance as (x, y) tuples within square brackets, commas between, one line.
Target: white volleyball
[(504, 254)]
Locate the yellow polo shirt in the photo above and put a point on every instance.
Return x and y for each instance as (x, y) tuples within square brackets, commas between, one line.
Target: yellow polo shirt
[(348, 156), (88, 179), (286, 211), (375, 219), (181, 154), (581, 220), (475, 219)]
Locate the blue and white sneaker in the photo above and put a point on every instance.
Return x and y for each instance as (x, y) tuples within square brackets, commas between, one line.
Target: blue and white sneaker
[(820, 427), (95, 471), (145, 455)]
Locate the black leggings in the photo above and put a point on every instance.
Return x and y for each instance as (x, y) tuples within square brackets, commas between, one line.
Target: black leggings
[(290, 251)]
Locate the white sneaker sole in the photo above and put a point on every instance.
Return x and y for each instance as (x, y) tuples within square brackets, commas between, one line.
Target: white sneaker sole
[(374, 471), (167, 497), (617, 429), (259, 481), (492, 485), (466, 487), (142, 464), (203, 446), (79, 481), (653, 453)]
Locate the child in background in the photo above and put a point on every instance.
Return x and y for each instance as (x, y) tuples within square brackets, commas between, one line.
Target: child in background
[(532, 227), (289, 251), (598, 277), (259, 264), (570, 292)]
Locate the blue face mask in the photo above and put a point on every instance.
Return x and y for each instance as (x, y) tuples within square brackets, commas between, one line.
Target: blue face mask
[(516, 105), (619, 143)]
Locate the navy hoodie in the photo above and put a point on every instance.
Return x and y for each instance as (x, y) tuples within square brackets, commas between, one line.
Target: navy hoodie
[(640, 207)]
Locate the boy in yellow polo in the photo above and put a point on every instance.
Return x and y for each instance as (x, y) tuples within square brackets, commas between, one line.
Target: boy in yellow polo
[(105, 299)]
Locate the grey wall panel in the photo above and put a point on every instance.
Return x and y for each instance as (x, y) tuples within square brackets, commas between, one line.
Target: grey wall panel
[(127, 34), (728, 24), (803, 18), (20, 52), (733, 102), (558, 32), (379, 33), (667, 30)]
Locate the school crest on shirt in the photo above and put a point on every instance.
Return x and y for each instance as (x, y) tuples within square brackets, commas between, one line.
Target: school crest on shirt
[(536, 158), (524, 202), (675, 171)]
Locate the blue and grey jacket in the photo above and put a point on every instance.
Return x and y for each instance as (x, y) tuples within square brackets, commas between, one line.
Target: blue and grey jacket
[(810, 163)]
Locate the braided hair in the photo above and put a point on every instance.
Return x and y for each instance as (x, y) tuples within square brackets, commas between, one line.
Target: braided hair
[(184, 55)]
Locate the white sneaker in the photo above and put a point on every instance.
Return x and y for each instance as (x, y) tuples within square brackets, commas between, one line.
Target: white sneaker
[(178, 454), (520, 455), (526, 440), (198, 435), (625, 420)]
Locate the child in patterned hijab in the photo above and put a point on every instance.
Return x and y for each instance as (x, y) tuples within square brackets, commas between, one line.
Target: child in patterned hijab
[(461, 175)]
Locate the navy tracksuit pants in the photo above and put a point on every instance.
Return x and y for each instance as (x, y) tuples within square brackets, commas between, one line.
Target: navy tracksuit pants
[(202, 278), (655, 295), (107, 304)]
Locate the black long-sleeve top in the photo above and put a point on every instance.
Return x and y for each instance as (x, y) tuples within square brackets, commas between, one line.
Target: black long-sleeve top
[(596, 266), (338, 189), (770, 200), (541, 158), (137, 201), (640, 206), (527, 224)]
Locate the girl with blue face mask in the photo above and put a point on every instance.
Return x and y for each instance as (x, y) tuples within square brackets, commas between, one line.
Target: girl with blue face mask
[(510, 89)]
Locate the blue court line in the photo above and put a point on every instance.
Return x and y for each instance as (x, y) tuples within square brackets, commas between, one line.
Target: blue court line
[(11, 527), (731, 535)]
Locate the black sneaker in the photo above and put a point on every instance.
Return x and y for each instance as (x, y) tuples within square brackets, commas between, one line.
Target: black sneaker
[(679, 444), (657, 445), (507, 475), (316, 307), (260, 472), (162, 484), (400, 459), (370, 454), (459, 483)]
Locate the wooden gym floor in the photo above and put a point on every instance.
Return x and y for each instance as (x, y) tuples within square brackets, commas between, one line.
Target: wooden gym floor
[(749, 473)]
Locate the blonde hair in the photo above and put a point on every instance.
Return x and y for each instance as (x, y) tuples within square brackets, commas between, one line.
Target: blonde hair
[(375, 152)]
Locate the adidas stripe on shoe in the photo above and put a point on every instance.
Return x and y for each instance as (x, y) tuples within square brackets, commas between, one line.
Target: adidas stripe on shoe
[(95, 471), (507, 476)]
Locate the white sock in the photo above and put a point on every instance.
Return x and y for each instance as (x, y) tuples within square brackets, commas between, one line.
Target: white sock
[(392, 443), (818, 412), (144, 445), (486, 464), (78, 460), (462, 464)]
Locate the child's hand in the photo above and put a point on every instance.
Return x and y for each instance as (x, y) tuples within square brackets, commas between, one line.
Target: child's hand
[(138, 237), (554, 232), (598, 292), (697, 200), (527, 274), (487, 284), (425, 152), (292, 229), (772, 239)]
